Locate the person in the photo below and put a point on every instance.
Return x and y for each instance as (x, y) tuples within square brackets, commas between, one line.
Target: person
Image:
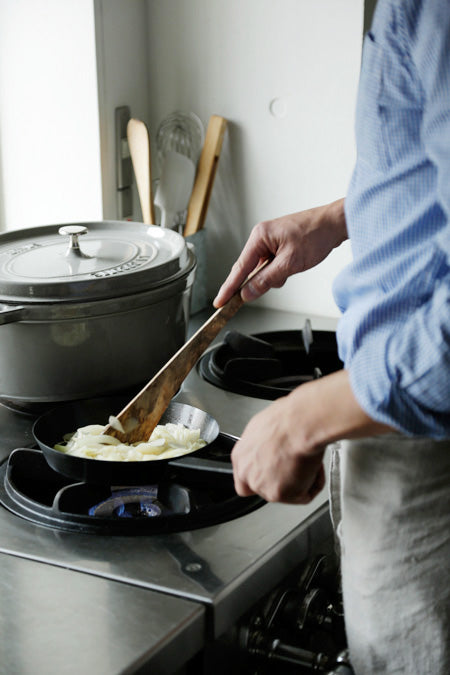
[(390, 404)]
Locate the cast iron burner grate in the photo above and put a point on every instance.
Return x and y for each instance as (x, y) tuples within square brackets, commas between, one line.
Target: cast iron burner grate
[(198, 492), (270, 365)]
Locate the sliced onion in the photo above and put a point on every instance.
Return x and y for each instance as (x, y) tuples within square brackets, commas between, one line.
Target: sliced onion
[(116, 424), (166, 441)]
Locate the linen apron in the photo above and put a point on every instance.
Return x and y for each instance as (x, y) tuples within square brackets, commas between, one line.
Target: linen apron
[(390, 505)]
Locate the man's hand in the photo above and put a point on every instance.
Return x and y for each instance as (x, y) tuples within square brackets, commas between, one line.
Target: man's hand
[(279, 456), (273, 460), (296, 243)]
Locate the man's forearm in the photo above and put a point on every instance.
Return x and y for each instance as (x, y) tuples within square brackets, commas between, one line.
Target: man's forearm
[(329, 411)]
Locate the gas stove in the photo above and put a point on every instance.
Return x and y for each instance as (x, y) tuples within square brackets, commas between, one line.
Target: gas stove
[(148, 597), (196, 492)]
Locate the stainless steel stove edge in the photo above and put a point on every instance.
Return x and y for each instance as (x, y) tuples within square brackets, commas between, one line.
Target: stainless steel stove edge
[(225, 568), (55, 620)]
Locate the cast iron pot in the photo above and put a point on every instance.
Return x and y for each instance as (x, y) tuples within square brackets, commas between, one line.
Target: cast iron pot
[(93, 317), (51, 427)]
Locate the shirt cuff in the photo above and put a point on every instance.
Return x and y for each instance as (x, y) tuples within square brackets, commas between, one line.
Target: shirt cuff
[(375, 387)]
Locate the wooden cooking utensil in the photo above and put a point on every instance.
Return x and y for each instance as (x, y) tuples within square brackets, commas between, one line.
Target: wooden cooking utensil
[(206, 171), (139, 144), (143, 413)]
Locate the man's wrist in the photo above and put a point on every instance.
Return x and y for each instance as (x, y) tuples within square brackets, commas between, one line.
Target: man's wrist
[(334, 215)]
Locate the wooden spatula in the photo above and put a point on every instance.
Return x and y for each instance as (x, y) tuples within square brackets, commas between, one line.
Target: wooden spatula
[(139, 144), (143, 413), (206, 171)]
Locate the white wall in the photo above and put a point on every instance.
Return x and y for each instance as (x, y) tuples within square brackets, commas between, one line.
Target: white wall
[(284, 73), (49, 126), (121, 36)]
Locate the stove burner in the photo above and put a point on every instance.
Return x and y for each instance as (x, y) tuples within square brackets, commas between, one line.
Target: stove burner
[(129, 503), (270, 365), (145, 508), (198, 492)]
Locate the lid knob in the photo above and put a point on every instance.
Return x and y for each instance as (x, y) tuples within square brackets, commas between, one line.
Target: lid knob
[(74, 231)]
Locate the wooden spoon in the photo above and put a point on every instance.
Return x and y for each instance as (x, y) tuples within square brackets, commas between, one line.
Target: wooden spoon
[(139, 144), (143, 413)]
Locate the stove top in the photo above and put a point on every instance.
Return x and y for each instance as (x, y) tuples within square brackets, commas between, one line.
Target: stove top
[(197, 491), (225, 566), (272, 364)]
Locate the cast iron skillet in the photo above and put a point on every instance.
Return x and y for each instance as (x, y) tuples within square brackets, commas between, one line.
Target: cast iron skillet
[(51, 427)]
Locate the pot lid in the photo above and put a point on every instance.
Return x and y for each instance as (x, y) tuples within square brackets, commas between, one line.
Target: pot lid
[(89, 261)]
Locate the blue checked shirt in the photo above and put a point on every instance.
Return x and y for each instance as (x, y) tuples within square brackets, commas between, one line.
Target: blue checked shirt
[(394, 334)]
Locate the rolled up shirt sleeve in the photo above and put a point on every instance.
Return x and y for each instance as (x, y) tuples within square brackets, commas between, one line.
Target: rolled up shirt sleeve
[(401, 374), (395, 333)]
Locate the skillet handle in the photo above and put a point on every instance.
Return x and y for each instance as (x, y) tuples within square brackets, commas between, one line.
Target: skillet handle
[(11, 313)]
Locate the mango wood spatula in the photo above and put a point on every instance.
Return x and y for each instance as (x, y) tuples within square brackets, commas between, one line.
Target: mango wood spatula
[(206, 172), (142, 414)]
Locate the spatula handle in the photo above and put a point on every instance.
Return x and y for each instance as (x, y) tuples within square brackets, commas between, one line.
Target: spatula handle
[(139, 144), (143, 413)]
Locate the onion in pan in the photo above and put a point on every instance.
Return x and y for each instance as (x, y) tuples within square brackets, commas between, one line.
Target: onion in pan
[(167, 441)]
